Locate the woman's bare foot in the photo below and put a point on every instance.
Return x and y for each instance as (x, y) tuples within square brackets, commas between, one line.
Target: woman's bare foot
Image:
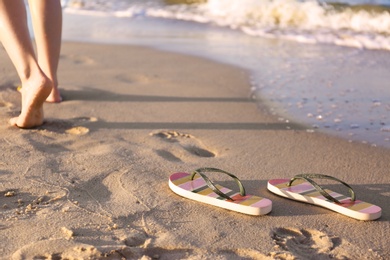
[(34, 94), (55, 96)]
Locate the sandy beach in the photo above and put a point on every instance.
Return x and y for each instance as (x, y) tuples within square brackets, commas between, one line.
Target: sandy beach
[(92, 182)]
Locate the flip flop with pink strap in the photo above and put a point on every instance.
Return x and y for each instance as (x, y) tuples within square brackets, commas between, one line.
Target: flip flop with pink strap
[(303, 188), (197, 186)]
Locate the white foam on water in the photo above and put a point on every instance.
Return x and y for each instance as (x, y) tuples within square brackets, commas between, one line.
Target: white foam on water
[(301, 21)]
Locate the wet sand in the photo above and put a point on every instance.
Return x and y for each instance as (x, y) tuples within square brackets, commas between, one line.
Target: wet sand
[(92, 182)]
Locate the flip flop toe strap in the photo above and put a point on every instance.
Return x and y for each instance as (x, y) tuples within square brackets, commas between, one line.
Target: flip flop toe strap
[(212, 186), (308, 177)]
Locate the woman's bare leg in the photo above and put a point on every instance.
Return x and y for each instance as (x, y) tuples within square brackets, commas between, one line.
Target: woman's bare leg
[(47, 23), (15, 38)]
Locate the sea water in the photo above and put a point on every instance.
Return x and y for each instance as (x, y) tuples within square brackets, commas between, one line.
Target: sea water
[(324, 64)]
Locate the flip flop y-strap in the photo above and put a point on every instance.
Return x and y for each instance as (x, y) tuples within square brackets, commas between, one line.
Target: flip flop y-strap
[(212, 186), (198, 188), (308, 177)]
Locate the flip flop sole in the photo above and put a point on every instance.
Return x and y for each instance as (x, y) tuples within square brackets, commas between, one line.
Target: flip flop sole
[(303, 191), (197, 190)]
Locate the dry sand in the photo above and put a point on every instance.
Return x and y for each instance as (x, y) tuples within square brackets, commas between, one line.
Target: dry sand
[(92, 183)]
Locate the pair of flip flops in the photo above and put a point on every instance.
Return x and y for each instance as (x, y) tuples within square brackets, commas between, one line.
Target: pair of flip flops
[(197, 186)]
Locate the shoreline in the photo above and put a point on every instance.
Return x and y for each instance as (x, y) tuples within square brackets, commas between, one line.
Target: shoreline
[(95, 176), (343, 95)]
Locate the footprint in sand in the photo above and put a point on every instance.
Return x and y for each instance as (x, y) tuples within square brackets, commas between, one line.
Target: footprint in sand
[(73, 126), (78, 130), (293, 243), (168, 155), (186, 141)]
